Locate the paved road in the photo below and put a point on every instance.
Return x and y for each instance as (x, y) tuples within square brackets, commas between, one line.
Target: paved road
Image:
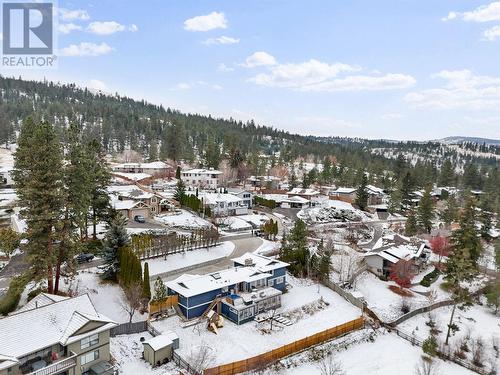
[(242, 246)]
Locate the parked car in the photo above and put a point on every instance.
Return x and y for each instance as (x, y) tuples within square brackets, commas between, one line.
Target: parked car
[(139, 219), (84, 257)]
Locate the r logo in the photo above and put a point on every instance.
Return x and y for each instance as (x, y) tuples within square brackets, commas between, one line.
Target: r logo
[(27, 28)]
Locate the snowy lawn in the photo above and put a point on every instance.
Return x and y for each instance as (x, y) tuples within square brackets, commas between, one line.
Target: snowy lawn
[(387, 304), (185, 220), (239, 342), (106, 297), (267, 247), (189, 258), (474, 322), (233, 224), (254, 219), (127, 350), (388, 354)]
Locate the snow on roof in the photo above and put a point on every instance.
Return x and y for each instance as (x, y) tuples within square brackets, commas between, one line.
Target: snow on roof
[(395, 253), (296, 199), (192, 285), (201, 171), (29, 331), (214, 198), (261, 262), (374, 189), (43, 299), (132, 176), (345, 190), (237, 191), (123, 205), (151, 165), (161, 341), (301, 191)]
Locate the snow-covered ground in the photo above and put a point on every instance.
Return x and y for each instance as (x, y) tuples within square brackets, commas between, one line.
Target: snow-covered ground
[(239, 342), (267, 247), (387, 304), (189, 258), (332, 211), (388, 354), (234, 223), (127, 350), (106, 297), (185, 220), (476, 322), (255, 219)]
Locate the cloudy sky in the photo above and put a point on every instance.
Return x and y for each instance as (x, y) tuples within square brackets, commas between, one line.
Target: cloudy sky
[(413, 69)]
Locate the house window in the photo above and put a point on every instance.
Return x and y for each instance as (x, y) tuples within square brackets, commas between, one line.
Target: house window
[(279, 280), (87, 342), (89, 357), (270, 282)]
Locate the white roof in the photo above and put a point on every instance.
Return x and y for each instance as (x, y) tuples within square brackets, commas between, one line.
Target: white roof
[(123, 205), (296, 199), (130, 191), (345, 190), (151, 165), (396, 253), (214, 198), (201, 171), (192, 285), (375, 189), (301, 191), (132, 176), (161, 341), (43, 299), (29, 331), (261, 262)]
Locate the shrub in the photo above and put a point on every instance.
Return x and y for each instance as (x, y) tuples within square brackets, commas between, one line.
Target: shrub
[(11, 299), (430, 346), (430, 278)]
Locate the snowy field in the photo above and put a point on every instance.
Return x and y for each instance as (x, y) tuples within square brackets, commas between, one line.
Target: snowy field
[(189, 258), (106, 297), (239, 342), (388, 354), (254, 219), (234, 223), (127, 350), (332, 211), (267, 247), (474, 322), (185, 220)]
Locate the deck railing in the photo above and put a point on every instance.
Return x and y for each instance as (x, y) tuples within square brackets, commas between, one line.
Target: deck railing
[(56, 367)]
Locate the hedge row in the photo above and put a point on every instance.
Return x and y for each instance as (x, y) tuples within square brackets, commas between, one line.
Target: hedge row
[(9, 302), (430, 278)]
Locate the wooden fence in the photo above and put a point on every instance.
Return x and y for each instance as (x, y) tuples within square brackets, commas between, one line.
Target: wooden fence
[(159, 306), (129, 328), (263, 360)]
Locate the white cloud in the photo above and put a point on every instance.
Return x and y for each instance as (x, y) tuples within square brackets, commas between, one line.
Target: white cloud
[(66, 28), (96, 84), (484, 13), (133, 28), (214, 20), (216, 87), (105, 28), (221, 40), (224, 68), (492, 34), (183, 86), (76, 14), (86, 49), (314, 75), (462, 89), (391, 116), (259, 58)]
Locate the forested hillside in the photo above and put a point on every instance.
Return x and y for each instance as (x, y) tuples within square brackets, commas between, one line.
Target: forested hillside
[(121, 123)]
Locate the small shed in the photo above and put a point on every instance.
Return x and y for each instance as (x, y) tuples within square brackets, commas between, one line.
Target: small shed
[(160, 349)]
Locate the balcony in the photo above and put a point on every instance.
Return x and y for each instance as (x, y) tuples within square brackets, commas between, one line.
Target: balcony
[(54, 367)]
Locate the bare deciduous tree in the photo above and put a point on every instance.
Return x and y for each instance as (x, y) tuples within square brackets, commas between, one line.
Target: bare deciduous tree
[(329, 366), (201, 358), (132, 301), (426, 367)]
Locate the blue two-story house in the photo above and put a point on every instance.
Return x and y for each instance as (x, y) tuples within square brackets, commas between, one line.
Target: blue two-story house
[(252, 275)]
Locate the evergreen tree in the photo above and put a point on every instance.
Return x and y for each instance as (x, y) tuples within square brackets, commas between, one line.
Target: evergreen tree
[(411, 227), (294, 249), (178, 173), (160, 291), (293, 181), (450, 212), (38, 176), (395, 201), (466, 237), (212, 154), (425, 213), (153, 151), (146, 290), (447, 177), (486, 217), (115, 239), (180, 192), (362, 192), (406, 191)]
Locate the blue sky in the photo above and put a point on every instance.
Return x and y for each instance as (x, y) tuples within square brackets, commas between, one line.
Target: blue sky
[(420, 69)]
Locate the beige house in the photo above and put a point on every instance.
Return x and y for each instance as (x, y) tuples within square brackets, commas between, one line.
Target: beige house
[(56, 335)]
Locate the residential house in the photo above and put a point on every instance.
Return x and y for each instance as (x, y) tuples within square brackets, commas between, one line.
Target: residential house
[(267, 182), (245, 195), (56, 335), (251, 275), (345, 194), (391, 249), (376, 195), (156, 168), (202, 178), (131, 200), (223, 204)]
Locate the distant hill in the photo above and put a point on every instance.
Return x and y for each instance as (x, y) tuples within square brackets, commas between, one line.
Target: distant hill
[(460, 139)]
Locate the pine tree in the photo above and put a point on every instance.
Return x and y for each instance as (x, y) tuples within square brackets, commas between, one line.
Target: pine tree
[(180, 192), (153, 151), (39, 184), (115, 239), (411, 227), (425, 212), (146, 290), (450, 212), (361, 192), (395, 201), (178, 173), (294, 249), (160, 291), (406, 191), (486, 217), (447, 177), (466, 236)]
